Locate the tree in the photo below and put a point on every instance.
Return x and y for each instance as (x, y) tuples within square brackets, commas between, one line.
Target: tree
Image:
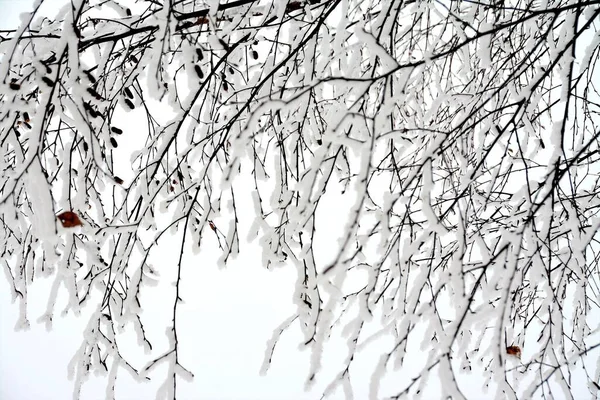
[(464, 133)]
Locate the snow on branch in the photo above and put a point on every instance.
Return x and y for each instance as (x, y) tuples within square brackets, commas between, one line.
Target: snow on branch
[(459, 142)]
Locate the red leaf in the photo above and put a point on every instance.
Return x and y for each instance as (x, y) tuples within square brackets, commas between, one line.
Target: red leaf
[(69, 219)]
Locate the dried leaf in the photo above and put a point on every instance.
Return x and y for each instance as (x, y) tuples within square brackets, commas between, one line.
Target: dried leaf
[(69, 219), (514, 351)]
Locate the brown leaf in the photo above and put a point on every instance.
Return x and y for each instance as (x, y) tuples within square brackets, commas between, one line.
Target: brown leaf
[(514, 351), (212, 225), (69, 219)]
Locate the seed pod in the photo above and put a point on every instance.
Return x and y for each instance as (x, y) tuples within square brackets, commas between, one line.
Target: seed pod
[(200, 54), (230, 70), (116, 130), (255, 54), (180, 176), (129, 104), (48, 70), (128, 12), (118, 180), (93, 113), (90, 77), (319, 142), (94, 93), (134, 58), (26, 116), (199, 71), (113, 142), (27, 125), (46, 80), (128, 93), (85, 146), (225, 86), (14, 86)]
